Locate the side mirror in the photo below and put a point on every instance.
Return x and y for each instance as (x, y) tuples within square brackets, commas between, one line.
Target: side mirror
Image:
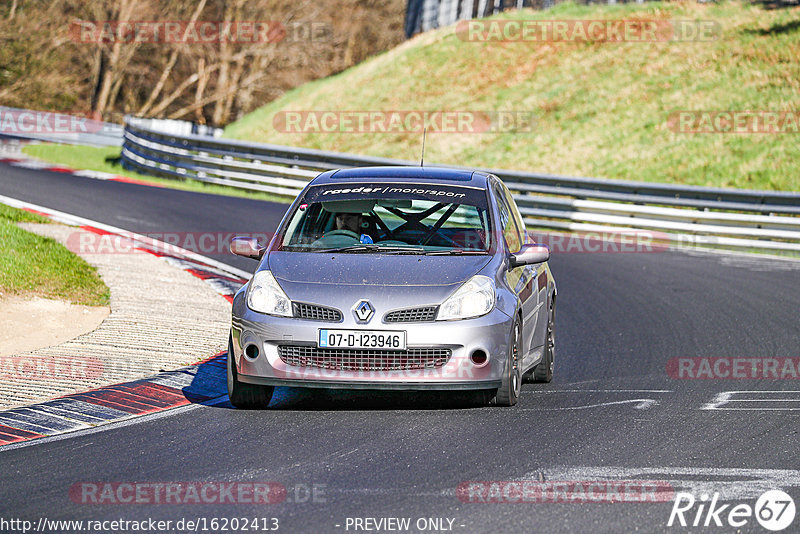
[(530, 255), (248, 247)]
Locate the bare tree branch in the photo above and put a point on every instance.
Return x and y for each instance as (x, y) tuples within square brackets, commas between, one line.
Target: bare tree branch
[(170, 63), (217, 96), (115, 66), (200, 89)]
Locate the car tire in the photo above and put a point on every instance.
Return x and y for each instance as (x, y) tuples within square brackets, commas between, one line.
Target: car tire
[(510, 388), (543, 372), (242, 395)]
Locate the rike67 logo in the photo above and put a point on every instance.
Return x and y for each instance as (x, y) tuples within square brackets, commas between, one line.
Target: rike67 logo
[(774, 510)]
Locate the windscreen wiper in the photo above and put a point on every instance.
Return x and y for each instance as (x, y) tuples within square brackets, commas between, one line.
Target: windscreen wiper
[(402, 250), (454, 252), (350, 248), (369, 247)]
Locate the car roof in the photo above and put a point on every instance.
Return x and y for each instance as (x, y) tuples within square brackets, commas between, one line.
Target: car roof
[(463, 177)]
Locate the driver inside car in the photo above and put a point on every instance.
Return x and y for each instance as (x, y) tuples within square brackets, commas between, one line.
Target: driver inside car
[(349, 221), (352, 222)]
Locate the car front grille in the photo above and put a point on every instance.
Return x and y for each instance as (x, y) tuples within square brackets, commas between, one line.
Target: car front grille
[(315, 313), (411, 315), (363, 359)]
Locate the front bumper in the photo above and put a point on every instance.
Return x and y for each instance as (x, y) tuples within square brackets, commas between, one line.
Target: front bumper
[(490, 334)]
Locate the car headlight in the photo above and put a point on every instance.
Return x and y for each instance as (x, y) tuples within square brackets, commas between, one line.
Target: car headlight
[(473, 299), (265, 296)]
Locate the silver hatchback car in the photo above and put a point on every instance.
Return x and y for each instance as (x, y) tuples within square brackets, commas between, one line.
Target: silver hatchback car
[(403, 278)]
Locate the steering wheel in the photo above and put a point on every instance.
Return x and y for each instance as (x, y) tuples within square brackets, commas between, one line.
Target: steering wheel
[(348, 233), (337, 238)]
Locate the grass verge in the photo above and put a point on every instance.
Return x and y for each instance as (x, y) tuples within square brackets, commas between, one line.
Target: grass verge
[(600, 108), (34, 265)]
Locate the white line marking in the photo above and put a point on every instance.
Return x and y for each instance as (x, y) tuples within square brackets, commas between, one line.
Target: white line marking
[(97, 175), (730, 483), (764, 400), (601, 391), (641, 404), (727, 397), (32, 164)]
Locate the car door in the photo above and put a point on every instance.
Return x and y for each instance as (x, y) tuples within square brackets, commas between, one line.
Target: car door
[(520, 279), (538, 281)]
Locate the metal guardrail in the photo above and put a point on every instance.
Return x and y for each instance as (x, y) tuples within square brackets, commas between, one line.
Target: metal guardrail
[(677, 213)]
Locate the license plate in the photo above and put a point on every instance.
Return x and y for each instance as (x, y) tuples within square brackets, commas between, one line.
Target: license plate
[(362, 339)]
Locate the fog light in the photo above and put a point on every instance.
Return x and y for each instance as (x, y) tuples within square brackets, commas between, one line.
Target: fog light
[(479, 358), (251, 351)]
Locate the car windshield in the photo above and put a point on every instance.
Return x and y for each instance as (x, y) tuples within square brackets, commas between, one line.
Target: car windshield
[(393, 218)]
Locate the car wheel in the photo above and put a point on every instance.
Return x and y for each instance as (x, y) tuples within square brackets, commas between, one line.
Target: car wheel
[(543, 372), (242, 395), (509, 390)]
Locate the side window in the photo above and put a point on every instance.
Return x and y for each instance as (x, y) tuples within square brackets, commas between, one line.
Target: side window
[(510, 229), (516, 214)]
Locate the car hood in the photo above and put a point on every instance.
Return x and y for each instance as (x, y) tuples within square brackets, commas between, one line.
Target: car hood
[(374, 269)]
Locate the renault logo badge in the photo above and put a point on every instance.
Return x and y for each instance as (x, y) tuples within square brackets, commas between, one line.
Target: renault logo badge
[(363, 311)]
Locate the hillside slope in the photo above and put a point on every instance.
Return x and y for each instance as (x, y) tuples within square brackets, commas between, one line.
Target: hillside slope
[(600, 109)]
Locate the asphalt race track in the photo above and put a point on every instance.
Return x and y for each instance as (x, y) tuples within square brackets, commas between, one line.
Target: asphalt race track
[(612, 412)]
